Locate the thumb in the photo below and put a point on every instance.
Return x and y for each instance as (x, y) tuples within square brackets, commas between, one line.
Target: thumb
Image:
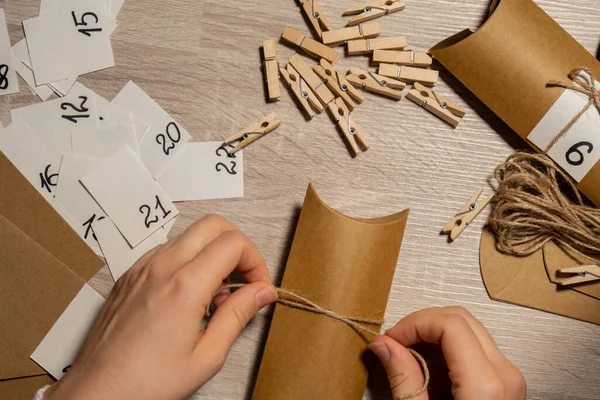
[(403, 370)]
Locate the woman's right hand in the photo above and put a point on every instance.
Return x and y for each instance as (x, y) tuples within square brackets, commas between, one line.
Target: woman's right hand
[(477, 368)]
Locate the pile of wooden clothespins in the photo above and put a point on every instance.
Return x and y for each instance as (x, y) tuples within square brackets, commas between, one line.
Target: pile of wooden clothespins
[(323, 86)]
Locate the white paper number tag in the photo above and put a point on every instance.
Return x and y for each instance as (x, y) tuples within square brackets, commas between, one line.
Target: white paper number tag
[(579, 149), (60, 346), (164, 139), (22, 55), (204, 171), (129, 196), (8, 74)]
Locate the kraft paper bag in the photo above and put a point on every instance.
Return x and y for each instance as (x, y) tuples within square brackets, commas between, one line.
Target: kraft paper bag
[(342, 264), (508, 62), (524, 281)]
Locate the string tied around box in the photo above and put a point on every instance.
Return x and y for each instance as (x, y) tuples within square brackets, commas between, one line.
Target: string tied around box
[(536, 202), (291, 299), (582, 81)]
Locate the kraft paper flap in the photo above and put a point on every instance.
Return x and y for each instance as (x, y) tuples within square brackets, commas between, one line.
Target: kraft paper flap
[(343, 264), (35, 288), (30, 212), (523, 281), (555, 259), (509, 60), (23, 388)]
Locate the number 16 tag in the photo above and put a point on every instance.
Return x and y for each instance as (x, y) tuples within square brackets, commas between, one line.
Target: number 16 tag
[(579, 149), (130, 196)]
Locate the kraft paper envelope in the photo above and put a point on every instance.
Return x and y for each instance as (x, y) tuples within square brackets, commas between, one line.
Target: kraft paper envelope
[(524, 281), (509, 60), (345, 265), (43, 264)]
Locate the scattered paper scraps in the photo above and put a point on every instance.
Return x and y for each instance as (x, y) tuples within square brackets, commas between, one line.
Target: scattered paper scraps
[(8, 75), (103, 142), (129, 196), (21, 56), (164, 139), (60, 346), (117, 252), (204, 171)]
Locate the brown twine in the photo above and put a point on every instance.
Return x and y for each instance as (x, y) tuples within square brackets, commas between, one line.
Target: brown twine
[(536, 202), (581, 85), (296, 301)]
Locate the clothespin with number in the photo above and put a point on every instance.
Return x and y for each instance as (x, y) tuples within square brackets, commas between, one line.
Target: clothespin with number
[(366, 46), (338, 84), (315, 15), (310, 46), (372, 82), (349, 128), (303, 93), (373, 9), (314, 82), (340, 36), (583, 274), (253, 132), (271, 69), (465, 215), (411, 58), (426, 77), (436, 104)]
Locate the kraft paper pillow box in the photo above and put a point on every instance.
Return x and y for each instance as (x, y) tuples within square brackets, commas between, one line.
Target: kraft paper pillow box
[(507, 64)]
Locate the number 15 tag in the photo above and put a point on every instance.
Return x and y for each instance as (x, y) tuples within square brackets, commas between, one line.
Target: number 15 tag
[(579, 149)]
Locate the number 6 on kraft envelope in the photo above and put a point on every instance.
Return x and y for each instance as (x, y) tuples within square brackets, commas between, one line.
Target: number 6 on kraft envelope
[(345, 265), (128, 194)]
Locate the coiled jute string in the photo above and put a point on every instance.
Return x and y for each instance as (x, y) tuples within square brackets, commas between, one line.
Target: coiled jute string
[(291, 299)]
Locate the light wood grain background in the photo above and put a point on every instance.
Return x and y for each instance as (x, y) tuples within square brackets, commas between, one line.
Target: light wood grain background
[(200, 60)]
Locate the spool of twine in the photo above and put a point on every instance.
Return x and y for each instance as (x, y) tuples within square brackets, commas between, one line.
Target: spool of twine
[(291, 299), (536, 202)]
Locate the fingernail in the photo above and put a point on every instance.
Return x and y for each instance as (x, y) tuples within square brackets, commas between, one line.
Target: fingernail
[(381, 350), (265, 297)]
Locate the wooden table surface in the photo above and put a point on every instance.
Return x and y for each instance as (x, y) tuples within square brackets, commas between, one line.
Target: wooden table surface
[(200, 60)]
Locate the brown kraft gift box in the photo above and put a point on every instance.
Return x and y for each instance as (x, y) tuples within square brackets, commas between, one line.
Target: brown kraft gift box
[(342, 264)]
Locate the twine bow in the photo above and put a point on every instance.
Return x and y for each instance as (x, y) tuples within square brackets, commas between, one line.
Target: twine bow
[(582, 85)]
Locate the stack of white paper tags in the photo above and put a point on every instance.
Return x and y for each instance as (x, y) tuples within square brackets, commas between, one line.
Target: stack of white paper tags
[(69, 38), (114, 169)]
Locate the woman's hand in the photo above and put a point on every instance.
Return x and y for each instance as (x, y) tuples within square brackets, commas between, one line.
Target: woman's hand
[(147, 342), (477, 368)]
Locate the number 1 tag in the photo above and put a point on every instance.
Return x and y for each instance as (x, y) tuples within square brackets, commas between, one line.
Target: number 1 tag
[(579, 149), (130, 196)]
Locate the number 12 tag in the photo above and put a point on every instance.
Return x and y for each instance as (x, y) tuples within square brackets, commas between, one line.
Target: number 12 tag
[(579, 149)]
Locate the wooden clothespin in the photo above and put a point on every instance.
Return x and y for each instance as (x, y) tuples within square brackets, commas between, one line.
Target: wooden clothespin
[(373, 9), (426, 77), (349, 128), (584, 273), (411, 58), (252, 133), (367, 46), (314, 82), (436, 104), (315, 15), (340, 36), (310, 46), (465, 215), (338, 84), (302, 92), (375, 83), (271, 69)]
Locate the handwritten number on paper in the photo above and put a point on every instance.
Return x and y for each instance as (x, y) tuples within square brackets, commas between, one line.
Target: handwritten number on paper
[(173, 135), (147, 211), (3, 76), (232, 164), (574, 156), (82, 109), (88, 227), (48, 180), (66, 369), (86, 31)]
